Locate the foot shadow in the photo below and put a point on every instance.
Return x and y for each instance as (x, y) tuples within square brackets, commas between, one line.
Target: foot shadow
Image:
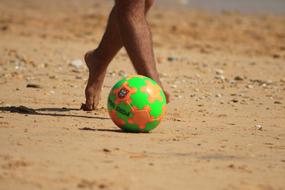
[(43, 112), (63, 109)]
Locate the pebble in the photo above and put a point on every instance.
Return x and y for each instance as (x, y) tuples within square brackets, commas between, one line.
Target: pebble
[(33, 86), (178, 96), (171, 58), (220, 77), (106, 150), (112, 73), (238, 78), (122, 73), (276, 56), (197, 75), (277, 102), (163, 74), (77, 63), (218, 95), (4, 28), (249, 86), (258, 127), (219, 71)]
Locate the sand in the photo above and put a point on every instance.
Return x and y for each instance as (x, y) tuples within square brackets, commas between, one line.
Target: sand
[(225, 124)]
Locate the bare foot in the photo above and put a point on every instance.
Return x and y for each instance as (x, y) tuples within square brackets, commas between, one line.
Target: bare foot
[(97, 70)]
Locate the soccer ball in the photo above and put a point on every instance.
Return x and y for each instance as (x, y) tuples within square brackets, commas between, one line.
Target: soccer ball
[(136, 104)]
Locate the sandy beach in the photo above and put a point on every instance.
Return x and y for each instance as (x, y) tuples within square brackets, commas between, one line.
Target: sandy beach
[(224, 129)]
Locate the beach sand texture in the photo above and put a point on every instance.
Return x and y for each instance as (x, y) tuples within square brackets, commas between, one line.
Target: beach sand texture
[(225, 124)]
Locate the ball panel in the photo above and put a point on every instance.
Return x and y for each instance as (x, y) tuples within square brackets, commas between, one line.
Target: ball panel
[(139, 100), (137, 81), (151, 125), (123, 111), (156, 109), (131, 128), (119, 84), (118, 121), (111, 101), (140, 117)]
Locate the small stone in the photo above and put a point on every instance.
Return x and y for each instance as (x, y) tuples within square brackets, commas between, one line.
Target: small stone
[(231, 166), (219, 71), (173, 86), (258, 127), (171, 58), (112, 73), (122, 73), (75, 71), (220, 77), (33, 86), (276, 56), (102, 186), (163, 74), (249, 86), (77, 63), (239, 78), (4, 28), (218, 95), (106, 150), (277, 102), (178, 96), (198, 75)]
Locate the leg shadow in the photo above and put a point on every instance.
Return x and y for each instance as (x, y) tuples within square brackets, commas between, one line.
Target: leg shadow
[(42, 112)]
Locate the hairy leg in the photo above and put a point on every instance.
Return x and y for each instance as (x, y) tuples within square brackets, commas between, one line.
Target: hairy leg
[(98, 60), (136, 36)]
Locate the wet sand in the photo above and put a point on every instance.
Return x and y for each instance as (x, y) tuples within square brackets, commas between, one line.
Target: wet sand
[(225, 124)]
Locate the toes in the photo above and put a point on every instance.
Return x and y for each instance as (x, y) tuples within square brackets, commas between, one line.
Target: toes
[(86, 107)]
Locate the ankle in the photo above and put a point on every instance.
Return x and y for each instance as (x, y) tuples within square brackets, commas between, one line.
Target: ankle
[(102, 57)]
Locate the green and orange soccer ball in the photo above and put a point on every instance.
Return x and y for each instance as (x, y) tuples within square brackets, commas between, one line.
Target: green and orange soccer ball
[(136, 104)]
